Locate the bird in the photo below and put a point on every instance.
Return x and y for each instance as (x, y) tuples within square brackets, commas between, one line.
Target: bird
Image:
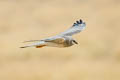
[(62, 40)]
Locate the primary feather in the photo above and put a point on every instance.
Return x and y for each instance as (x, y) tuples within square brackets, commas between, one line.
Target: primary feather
[(76, 28), (61, 39)]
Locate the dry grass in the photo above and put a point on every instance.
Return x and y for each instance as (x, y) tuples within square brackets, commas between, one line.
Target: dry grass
[(97, 57)]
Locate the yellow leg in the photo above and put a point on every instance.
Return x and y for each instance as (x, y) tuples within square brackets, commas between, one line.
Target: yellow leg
[(40, 46)]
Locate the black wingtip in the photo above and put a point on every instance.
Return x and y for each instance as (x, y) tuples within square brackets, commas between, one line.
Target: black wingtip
[(81, 21), (74, 24), (78, 22)]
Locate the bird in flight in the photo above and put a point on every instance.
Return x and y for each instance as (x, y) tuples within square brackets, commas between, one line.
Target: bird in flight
[(63, 39)]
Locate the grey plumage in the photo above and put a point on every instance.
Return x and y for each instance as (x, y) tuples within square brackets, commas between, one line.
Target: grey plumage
[(63, 39)]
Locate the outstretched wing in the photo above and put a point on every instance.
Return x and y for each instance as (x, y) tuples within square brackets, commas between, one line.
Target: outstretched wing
[(76, 28)]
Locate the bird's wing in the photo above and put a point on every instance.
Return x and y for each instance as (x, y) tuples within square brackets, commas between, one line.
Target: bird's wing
[(57, 40), (77, 27)]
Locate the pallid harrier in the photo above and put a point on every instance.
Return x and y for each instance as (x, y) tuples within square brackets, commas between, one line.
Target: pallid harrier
[(63, 39)]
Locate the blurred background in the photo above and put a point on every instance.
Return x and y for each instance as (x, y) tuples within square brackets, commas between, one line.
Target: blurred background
[(97, 57)]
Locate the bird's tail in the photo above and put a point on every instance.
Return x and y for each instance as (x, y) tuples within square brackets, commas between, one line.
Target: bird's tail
[(37, 45), (32, 41)]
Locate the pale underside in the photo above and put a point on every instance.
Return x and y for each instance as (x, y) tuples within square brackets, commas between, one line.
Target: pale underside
[(61, 40)]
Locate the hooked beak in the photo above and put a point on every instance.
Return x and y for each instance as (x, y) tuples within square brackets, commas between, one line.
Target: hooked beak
[(75, 42)]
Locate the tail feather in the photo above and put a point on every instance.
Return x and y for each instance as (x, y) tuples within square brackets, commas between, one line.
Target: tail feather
[(25, 46), (31, 41), (41, 43)]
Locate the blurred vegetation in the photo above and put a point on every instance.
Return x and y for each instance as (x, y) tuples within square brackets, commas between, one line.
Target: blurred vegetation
[(97, 57)]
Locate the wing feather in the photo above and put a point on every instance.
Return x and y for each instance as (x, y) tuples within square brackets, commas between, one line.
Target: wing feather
[(76, 28), (58, 40)]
